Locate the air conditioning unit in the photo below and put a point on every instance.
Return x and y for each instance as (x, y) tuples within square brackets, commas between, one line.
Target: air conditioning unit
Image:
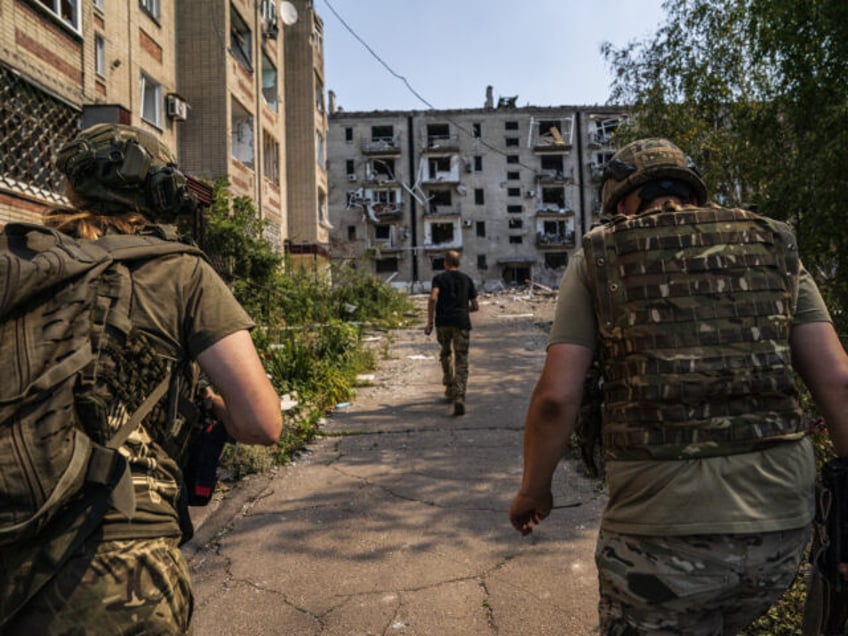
[(467, 223), (351, 177), (176, 107)]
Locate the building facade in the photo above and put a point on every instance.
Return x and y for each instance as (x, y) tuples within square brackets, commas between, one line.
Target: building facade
[(67, 64), (208, 77), (512, 188)]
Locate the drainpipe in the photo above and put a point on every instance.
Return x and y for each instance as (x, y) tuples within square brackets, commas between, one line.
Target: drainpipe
[(413, 220), (581, 189), (258, 147)]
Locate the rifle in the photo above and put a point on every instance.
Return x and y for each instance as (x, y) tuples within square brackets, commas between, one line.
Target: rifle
[(826, 610)]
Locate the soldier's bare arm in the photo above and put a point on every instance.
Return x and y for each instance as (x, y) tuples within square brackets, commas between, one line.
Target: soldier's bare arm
[(550, 421), (821, 362), (248, 405)]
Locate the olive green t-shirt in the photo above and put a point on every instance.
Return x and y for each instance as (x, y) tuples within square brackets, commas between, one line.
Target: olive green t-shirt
[(763, 491), (184, 307)]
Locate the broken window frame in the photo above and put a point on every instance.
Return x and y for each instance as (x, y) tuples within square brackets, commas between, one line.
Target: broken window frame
[(241, 39), (270, 93), (241, 134)]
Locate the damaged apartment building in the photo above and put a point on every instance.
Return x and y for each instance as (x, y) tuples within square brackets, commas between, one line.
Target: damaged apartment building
[(512, 188)]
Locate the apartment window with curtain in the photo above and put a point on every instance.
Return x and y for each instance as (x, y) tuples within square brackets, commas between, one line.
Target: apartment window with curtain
[(151, 100), (99, 55)]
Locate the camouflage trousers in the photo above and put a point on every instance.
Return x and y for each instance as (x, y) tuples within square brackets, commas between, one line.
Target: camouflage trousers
[(113, 587), (705, 585), (453, 357)]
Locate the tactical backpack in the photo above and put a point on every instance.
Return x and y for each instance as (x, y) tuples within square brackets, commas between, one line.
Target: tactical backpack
[(77, 380)]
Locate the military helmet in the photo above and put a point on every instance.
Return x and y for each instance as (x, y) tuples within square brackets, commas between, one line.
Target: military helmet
[(642, 161), (119, 168)]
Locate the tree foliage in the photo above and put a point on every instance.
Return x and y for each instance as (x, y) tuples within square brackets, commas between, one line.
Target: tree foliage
[(756, 91)]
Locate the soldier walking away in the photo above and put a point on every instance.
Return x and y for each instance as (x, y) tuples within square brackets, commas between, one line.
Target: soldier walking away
[(107, 353), (452, 297), (703, 315)]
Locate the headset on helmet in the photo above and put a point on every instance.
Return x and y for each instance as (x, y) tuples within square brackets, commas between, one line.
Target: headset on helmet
[(643, 161), (119, 168)]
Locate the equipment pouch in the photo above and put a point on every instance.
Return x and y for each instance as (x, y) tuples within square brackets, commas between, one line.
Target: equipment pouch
[(835, 518)]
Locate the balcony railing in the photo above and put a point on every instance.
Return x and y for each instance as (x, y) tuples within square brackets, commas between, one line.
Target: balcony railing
[(559, 239), (440, 143), (382, 146)]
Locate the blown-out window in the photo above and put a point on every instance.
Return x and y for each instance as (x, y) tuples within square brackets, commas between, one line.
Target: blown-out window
[(241, 39)]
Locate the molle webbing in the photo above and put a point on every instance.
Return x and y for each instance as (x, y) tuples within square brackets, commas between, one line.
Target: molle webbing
[(694, 309)]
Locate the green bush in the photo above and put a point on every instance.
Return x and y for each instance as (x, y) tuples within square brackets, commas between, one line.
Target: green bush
[(309, 323)]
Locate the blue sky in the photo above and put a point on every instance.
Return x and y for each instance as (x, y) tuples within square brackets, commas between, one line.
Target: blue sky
[(547, 52)]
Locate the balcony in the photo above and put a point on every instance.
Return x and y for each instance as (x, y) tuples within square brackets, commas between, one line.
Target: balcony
[(440, 143), (553, 177), (443, 209), (381, 146), (555, 239), (385, 211), (554, 136), (553, 208)]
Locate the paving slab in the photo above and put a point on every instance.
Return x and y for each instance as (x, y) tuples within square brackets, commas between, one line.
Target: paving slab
[(395, 520)]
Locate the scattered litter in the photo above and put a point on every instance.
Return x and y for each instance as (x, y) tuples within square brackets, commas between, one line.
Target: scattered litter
[(342, 405), (515, 315), (419, 357), (287, 402)]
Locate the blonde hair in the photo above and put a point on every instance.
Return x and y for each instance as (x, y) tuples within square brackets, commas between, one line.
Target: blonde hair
[(84, 222)]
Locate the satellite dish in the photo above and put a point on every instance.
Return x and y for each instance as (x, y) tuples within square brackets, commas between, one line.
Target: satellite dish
[(288, 13)]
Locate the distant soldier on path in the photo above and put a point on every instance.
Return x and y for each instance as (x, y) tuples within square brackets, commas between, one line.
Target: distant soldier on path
[(452, 297)]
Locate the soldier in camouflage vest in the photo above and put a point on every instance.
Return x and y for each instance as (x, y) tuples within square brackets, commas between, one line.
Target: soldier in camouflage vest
[(702, 316), (129, 576)]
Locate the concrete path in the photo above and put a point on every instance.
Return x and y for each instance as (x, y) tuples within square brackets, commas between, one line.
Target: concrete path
[(396, 522)]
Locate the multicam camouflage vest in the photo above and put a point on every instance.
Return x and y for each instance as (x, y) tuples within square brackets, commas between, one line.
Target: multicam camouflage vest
[(694, 309)]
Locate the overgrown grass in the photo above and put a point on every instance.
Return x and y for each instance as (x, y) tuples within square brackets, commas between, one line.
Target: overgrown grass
[(310, 324)]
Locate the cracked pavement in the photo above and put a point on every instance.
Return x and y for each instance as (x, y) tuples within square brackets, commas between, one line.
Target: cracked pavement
[(395, 521)]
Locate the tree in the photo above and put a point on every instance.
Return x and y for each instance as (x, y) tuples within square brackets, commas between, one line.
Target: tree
[(757, 92)]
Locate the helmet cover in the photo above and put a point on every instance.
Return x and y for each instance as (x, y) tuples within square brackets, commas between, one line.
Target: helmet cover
[(118, 168), (642, 161)]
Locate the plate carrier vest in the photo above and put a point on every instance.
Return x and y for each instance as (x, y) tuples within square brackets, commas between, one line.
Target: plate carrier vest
[(694, 309)]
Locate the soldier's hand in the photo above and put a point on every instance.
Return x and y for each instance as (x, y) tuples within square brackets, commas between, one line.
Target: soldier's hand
[(526, 511), (428, 329)]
